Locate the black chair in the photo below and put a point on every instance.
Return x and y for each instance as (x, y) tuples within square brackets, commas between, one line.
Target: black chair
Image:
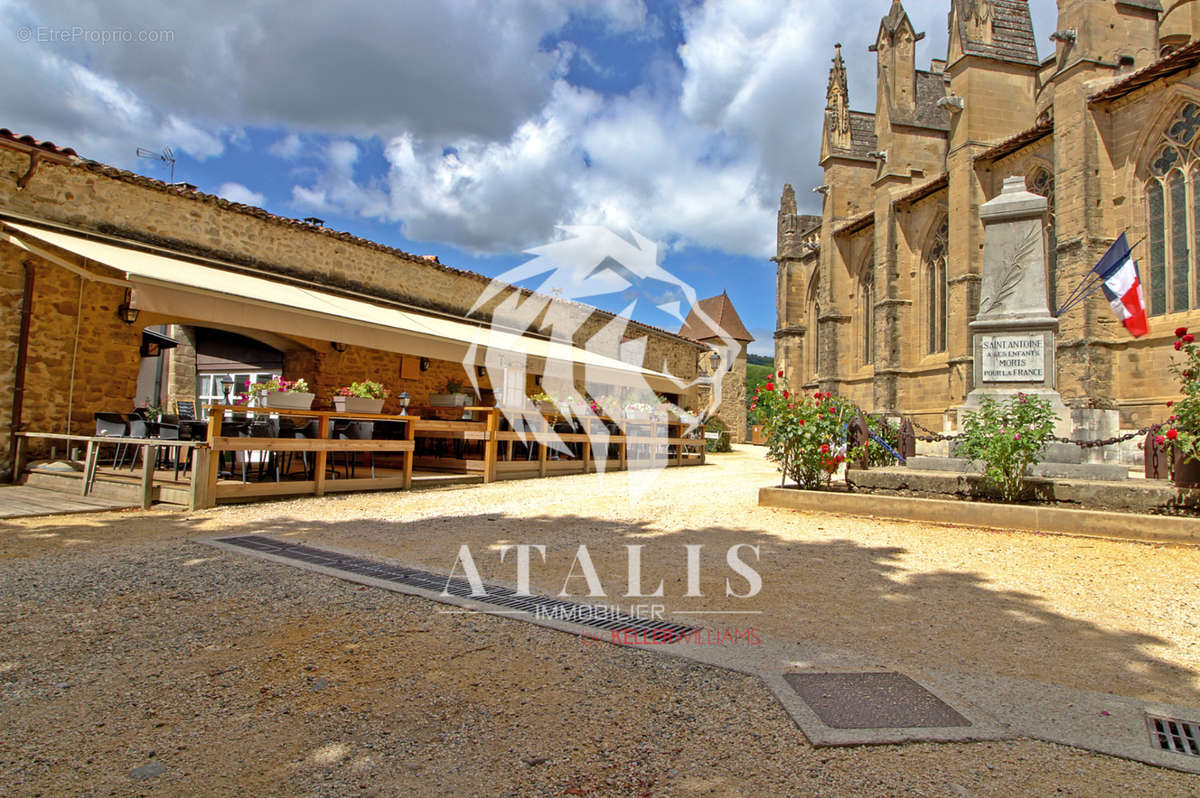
[(137, 429), (170, 432), (289, 429), (263, 429), (359, 431), (111, 425)]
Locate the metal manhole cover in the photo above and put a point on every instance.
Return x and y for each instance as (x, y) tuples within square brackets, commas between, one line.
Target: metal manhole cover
[(872, 701), (1170, 734)]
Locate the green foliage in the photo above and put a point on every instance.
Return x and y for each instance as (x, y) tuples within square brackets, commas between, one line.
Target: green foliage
[(367, 389), (806, 434), (721, 443), (760, 360), (877, 456), (1184, 424), (1007, 437), (757, 376)]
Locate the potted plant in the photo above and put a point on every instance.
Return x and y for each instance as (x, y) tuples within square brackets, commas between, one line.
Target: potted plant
[(1183, 427), (639, 411), (282, 394), (361, 397), (452, 396), (544, 402)]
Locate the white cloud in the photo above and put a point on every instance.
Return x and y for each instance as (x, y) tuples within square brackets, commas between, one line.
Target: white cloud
[(486, 144), (236, 192), (287, 147)]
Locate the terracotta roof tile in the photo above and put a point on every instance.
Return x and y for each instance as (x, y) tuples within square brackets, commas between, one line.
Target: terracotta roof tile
[(1183, 58), (48, 146), (720, 310)]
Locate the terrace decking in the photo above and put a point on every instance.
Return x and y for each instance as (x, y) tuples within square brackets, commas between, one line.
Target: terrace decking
[(422, 452)]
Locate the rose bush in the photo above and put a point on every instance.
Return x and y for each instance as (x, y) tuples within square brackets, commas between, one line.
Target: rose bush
[(1008, 437), (807, 434), (1183, 427)]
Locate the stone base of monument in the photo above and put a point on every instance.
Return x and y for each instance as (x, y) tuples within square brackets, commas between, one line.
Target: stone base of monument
[(1049, 469)]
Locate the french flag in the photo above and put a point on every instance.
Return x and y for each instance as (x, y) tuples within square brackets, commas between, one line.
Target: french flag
[(1118, 274)]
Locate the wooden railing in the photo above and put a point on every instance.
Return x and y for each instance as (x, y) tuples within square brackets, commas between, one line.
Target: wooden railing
[(149, 450), (496, 461), (207, 464)]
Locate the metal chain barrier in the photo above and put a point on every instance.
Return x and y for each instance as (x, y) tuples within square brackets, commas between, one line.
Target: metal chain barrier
[(931, 436)]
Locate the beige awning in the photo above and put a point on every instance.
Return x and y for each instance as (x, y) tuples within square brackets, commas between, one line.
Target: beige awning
[(194, 292)]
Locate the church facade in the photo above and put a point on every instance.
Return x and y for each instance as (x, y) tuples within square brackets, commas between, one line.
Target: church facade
[(875, 295)]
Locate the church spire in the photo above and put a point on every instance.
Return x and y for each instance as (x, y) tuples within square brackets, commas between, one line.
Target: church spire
[(837, 103)]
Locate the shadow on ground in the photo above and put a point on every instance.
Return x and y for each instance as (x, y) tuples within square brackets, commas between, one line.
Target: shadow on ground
[(835, 593)]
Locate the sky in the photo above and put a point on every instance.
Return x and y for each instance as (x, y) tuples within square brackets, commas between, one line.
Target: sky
[(474, 129)]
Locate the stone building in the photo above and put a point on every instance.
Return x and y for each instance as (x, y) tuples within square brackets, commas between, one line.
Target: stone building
[(711, 322), (94, 259), (875, 296)]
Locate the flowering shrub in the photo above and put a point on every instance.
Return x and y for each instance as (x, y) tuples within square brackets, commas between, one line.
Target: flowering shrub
[(807, 434), (259, 390), (1008, 437), (1183, 428), (364, 390)]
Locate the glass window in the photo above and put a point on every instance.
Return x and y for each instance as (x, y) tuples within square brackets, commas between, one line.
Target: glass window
[(937, 287), (1158, 249), (1177, 190)]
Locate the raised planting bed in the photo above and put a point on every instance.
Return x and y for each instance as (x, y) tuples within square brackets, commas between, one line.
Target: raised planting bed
[(1152, 496), (996, 515)]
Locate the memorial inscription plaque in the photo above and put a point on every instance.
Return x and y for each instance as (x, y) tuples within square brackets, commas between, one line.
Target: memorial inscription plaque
[(1013, 358)]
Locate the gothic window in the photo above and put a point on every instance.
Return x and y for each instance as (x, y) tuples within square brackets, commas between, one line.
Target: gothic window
[(936, 287), (866, 310), (1041, 182), (813, 336), (1173, 216)]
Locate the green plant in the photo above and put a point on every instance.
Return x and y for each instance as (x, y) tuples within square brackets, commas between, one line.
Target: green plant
[(1184, 424), (259, 390), (877, 456), (454, 385), (721, 443), (366, 389), (807, 435), (1007, 437)]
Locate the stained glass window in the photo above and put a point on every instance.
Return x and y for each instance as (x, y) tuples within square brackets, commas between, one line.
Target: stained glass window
[(1171, 207), (936, 287)]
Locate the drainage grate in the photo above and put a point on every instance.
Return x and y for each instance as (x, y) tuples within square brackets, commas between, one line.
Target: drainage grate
[(1169, 734), (596, 617)]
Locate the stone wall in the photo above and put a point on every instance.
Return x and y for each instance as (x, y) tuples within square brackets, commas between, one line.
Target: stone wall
[(107, 200), (96, 198)]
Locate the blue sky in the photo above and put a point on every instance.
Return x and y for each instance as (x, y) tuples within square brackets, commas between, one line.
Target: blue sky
[(471, 129)]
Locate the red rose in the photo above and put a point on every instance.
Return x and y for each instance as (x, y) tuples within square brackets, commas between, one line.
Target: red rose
[(1189, 338), (824, 448), (1170, 403), (791, 407), (1178, 345), (770, 386), (780, 374), (802, 422), (1172, 434), (1180, 332), (1160, 440), (785, 394)]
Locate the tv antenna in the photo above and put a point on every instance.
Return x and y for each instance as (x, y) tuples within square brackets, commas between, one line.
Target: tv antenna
[(166, 156)]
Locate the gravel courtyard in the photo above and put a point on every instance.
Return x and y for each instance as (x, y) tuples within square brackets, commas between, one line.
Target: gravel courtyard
[(135, 661)]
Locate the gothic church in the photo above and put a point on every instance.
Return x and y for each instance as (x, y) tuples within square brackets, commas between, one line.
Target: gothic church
[(875, 295)]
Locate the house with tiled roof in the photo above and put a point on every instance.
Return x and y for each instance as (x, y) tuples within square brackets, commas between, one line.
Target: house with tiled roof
[(714, 322), (874, 301)]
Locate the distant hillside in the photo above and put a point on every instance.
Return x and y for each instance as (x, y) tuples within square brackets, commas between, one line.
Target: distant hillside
[(758, 369)]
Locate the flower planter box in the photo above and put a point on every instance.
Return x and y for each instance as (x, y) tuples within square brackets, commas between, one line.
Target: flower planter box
[(448, 399), (357, 404), (547, 408), (290, 401), (1187, 472)]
